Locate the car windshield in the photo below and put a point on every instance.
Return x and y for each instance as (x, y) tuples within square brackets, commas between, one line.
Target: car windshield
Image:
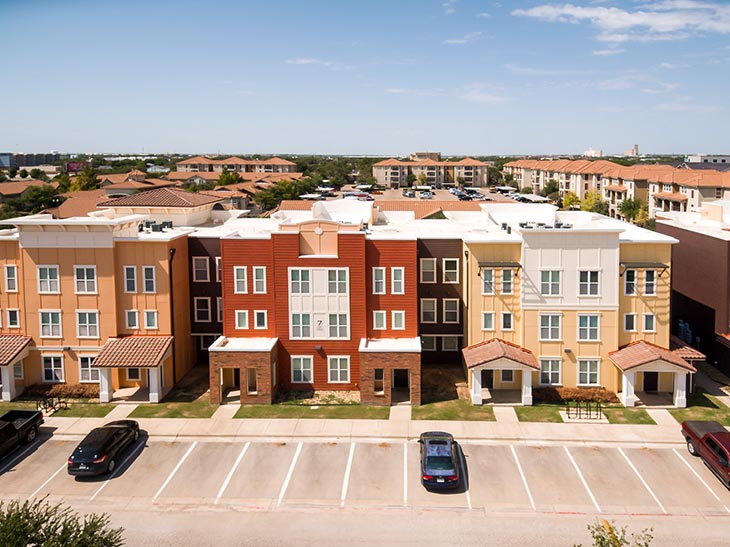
[(439, 463)]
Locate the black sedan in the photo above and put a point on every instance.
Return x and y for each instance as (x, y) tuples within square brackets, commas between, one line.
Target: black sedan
[(439, 460), (97, 453)]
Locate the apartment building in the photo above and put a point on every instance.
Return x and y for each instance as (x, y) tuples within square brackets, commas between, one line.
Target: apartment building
[(393, 173), (201, 164)]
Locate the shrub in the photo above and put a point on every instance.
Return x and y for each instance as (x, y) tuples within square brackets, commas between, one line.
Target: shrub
[(65, 391), (581, 394)]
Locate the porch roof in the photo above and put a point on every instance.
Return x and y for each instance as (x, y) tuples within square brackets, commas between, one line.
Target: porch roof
[(642, 352), (11, 348), (134, 352), (491, 350), (684, 350), (395, 345)]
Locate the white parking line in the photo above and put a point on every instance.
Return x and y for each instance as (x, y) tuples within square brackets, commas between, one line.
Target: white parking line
[(289, 474), (524, 480), (116, 471), (582, 479), (231, 472), (696, 474), (346, 480), (405, 474), (15, 460), (49, 480), (653, 495), (172, 474)]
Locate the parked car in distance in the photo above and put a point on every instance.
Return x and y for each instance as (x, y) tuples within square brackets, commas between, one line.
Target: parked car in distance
[(711, 442), (439, 460), (17, 427), (97, 453), (425, 195), (465, 197)]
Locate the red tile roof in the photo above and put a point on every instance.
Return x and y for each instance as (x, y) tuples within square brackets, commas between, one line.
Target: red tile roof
[(10, 347), (671, 196), (684, 350), (15, 188), (133, 352), (162, 197), (642, 352), (491, 350)]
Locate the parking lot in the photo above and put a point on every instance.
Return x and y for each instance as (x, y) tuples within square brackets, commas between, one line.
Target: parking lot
[(379, 475)]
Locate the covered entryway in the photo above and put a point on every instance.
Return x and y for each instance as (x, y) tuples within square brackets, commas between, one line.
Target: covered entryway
[(13, 349), (243, 370), (401, 386)]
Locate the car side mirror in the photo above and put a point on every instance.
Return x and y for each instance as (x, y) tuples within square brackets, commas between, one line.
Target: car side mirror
[(420, 441)]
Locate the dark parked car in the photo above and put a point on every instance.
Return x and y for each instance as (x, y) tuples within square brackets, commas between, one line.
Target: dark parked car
[(439, 460), (97, 453), (18, 426)]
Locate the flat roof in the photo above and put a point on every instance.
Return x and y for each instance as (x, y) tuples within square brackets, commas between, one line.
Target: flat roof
[(243, 344), (398, 345)]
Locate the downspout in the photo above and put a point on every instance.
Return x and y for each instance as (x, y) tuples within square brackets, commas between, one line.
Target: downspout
[(172, 316)]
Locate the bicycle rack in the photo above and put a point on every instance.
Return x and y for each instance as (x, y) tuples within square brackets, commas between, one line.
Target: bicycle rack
[(584, 410)]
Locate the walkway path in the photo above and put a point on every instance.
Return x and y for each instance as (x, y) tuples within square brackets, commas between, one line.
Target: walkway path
[(400, 412), (662, 416), (505, 414)]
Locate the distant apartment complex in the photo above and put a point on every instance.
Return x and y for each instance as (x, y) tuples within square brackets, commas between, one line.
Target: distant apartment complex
[(707, 158), (394, 173), (200, 164), (9, 159)]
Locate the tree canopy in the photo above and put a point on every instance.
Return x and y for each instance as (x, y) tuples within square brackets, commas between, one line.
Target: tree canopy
[(229, 177), (570, 200), (284, 189), (86, 180), (630, 208), (593, 203)]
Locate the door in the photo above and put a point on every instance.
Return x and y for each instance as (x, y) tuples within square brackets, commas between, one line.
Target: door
[(400, 378), (236, 377), (487, 379), (651, 381)]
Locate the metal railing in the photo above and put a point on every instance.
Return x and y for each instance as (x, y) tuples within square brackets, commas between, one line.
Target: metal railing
[(584, 410)]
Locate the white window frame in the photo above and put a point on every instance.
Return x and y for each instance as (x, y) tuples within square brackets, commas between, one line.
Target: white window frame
[(378, 272), (397, 285), (551, 327), (425, 346), (421, 270), (588, 284), (13, 324), (339, 371), (49, 268), (435, 309), (506, 314), (218, 269), (550, 283), (256, 315), (337, 283), (587, 373), (18, 372), (91, 370), (196, 308), (643, 322), (508, 279), (633, 316), (384, 316), (240, 285), (13, 277), (152, 279), (59, 368), (394, 321), (338, 326), (197, 279), (301, 326), (487, 281), (88, 313), (137, 371), (132, 313), (300, 283), (219, 309), (489, 314), (85, 281), (551, 371), (511, 376), (127, 279), (147, 324), (634, 282), (60, 323), (652, 284), (259, 285), (453, 343), (444, 303), (303, 359), (589, 328), (241, 319), (445, 272)]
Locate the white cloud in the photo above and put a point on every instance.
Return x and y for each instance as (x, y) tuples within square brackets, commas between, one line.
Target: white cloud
[(545, 72), (483, 14), (673, 66), (662, 88), (309, 61), (470, 37), (426, 92), (478, 93), (608, 52), (449, 6), (475, 93), (686, 105)]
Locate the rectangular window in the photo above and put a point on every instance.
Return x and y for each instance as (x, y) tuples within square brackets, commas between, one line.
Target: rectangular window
[(630, 322), (85, 277), (130, 279), (339, 370), (219, 309), (338, 325), (507, 285), (588, 328), (240, 280), (550, 372), (218, 269), (299, 281), (508, 376), (588, 283), (428, 310), (587, 372), (549, 327), (630, 282), (241, 319), (13, 319), (260, 319), (399, 320), (487, 320), (201, 270), (87, 324), (18, 370), (11, 278), (337, 281), (132, 319), (301, 325), (428, 343), (251, 383), (451, 310), (451, 270), (87, 371), (48, 279), (259, 279), (450, 343), (53, 369), (150, 319), (396, 280), (148, 275), (428, 270), (378, 280), (507, 323), (301, 370), (487, 281), (379, 380), (50, 324), (550, 283), (379, 320), (133, 374), (202, 309), (649, 322), (650, 282)]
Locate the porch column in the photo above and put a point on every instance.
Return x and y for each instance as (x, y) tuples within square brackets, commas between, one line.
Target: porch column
[(680, 389), (105, 385), (476, 386), (155, 384), (8, 381), (526, 387), (628, 380)]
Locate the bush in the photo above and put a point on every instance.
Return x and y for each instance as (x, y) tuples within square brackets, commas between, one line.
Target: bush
[(65, 391), (581, 394)]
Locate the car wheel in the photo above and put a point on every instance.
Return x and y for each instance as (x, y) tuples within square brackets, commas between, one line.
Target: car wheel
[(111, 466), (691, 448), (31, 435)]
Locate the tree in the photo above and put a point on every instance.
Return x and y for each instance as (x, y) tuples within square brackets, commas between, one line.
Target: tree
[(461, 181), (285, 189), (3, 178), (630, 208), (605, 534), (36, 522), (422, 179), (642, 217), (34, 200), (86, 180), (229, 177), (551, 190), (64, 182), (526, 190), (13, 172), (570, 200), (593, 203), (411, 179), (38, 174), (23, 174)]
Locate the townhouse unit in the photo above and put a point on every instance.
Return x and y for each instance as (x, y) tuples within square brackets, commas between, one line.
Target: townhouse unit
[(393, 173), (201, 164)]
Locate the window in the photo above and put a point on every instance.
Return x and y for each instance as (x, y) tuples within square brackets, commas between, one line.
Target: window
[(451, 310), (649, 322), (148, 275), (251, 383), (85, 277), (240, 280), (260, 319), (299, 281), (218, 269), (11, 278), (428, 310), (378, 280), (87, 372), (718, 193), (508, 376), (339, 370), (451, 270), (18, 370), (428, 343), (379, 320), (587, 372), (201, 271), (13, 319), (399, 320), (507, 321), (428, 270), (487, 281), (301, 325), (150, 319), (549, 327), (241, 319), (259, 279), (550, 283), (550, 371), (338, 325), (202, 309), (507, 285), (630, 322), (450, 343), (47, 279), (337, 281), (588, 283), (379, 380), (87, 324), (130, 279), (487, 320), (588, 328), (133, 374), (630, 282), (219, 309), (132, 319), (50, 324), (53, 368), (301, 370), (396, 280), (650, 282)]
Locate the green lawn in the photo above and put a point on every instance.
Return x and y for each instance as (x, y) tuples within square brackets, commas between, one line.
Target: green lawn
[(702, 406), (623, 415), (322, 411), (539, 413), (453, 410), (18, 405), (85, 410), (194, 409)]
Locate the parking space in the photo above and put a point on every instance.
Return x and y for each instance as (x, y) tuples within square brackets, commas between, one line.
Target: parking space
[(372, 481), (494, 478), (260, 474), (419, 497)]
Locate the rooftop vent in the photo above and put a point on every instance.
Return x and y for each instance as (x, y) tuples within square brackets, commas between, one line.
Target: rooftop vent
[(156, 227)]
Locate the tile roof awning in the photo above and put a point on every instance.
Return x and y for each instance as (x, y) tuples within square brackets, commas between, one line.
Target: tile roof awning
[(641, 353), (134, 352), (671, 196), (13, 347), (491, 351), (684, 350), (615, 188)]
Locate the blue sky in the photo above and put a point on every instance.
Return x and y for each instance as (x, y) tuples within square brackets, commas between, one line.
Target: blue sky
[(365, 77)]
